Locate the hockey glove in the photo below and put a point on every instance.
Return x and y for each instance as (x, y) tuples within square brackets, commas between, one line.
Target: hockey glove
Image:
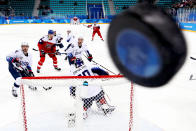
[(42, 52), (59, 41), (31, 74), (15, 60), (17, 66), (90, 57), (73, 59), (60, 45), (58, 53)]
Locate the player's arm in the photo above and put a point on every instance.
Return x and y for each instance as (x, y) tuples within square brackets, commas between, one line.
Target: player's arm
[(69, 38), (89, 55), (59, 42), (14, 60), (69, 48), (40, 44), (12, 56), (29, 66), (99, 71), (89, 26), (41, 47), (98, 26), (53, 49), (71, 58)]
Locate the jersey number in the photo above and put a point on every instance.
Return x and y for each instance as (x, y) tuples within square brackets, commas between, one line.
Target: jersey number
[(85, 73)]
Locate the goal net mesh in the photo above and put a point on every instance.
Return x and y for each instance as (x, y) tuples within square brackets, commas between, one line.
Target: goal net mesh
[(64, 103), (75, 21)]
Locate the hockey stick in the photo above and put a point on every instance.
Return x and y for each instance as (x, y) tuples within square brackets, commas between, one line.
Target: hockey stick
[(51, 53), (193, 58), (87, 26), (47, 88), (191, 77), (102, 66)]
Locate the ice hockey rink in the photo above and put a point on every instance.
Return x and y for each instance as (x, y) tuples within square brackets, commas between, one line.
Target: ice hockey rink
[(169, 108)]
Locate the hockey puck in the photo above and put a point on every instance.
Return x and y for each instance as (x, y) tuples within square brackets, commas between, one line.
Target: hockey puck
[(146, 45)]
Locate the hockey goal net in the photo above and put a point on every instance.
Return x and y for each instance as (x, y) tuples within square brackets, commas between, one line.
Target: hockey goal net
[(53, 106), (75, 21)]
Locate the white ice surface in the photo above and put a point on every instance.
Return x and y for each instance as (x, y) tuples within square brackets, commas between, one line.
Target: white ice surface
[(170, 108)]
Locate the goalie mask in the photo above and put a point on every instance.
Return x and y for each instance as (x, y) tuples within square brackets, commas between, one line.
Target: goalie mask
[(85, 83)]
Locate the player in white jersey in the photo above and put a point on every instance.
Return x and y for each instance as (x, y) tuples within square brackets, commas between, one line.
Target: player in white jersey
[(20, 63), (59, 39), (77, 50), (93, 92), (70, 39)]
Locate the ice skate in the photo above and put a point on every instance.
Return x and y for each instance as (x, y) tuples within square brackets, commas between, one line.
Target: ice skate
[(38, 70), (57, 68), (14, 92)]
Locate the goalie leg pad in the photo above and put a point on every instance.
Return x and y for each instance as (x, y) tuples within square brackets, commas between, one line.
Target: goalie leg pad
[(71, 119), (100, 97), (87, 103), (72, 90)]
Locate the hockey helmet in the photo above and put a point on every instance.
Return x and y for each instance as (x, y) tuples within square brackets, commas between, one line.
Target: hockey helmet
[(24, 44), (50, 32), (85, 83)]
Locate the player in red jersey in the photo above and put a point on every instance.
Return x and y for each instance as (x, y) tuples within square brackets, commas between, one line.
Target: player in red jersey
[(96, 29), (47, 45)]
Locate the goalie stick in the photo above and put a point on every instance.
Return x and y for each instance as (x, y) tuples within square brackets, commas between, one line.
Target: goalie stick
[(191, 77), (193, 58), (102, 66), (47, 88)]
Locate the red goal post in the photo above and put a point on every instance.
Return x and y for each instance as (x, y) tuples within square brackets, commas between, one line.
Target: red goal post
[(59, 81)]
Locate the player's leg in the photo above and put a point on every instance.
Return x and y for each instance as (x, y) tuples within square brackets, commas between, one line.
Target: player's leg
[(94, 32), (40, 63), (87, 104), (17, 76), (103, 104), (54, 58), (72, 90), (99, 34)]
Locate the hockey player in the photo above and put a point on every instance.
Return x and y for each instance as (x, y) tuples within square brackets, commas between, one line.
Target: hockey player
[(70, 39), (70, 36), (94, 92), (76, 51), (47, 45), (96, 30), (20, 63), (59, 39)]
